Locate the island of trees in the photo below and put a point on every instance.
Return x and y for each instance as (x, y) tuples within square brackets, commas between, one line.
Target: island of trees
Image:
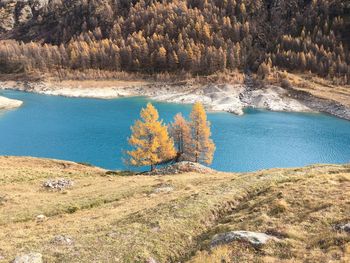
[(196, 36), (155, 143)]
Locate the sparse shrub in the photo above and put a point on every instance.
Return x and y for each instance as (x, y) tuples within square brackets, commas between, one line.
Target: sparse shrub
[(279, 207), (72, 209), (2, 200), (285, 83)]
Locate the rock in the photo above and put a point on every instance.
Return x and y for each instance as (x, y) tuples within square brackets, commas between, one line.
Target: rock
[(155, 229), (343, 227), (7, 23), (164, 189), (39, 4), (29, 258), (6, 104), (151, 260), (112, 234), (7, 16), (25, 14), (182, 167), (273, 98), (62, 240), (59, 184), (254, 238), (41, 218)]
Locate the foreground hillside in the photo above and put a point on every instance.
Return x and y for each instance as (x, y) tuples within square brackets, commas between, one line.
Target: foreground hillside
[(103, 216)]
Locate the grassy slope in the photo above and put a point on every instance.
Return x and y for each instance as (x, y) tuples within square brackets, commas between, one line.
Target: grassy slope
[(121, 219)]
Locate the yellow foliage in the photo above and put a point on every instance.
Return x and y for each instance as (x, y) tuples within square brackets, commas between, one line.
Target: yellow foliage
[(181, 132), (150, 139), (203, 147)]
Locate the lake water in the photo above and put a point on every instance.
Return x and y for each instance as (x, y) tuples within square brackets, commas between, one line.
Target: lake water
[(95, 131)]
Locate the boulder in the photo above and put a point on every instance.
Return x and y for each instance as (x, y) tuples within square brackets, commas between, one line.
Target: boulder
[(343, 227), (59, 184), (40, 218), (151, 260), (163, 189), (62, 240), (254, 238), (29, 258), (182, 167)]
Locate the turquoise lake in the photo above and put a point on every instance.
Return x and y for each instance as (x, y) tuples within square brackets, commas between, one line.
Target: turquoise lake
[(95, 131)]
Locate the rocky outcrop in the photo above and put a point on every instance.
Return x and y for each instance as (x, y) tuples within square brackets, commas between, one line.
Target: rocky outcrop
[(6, 104), (182, 167), (58, 184), (273, 98), (29, 258), (163, 189), (62, 240), (343, 227), (254, 238), (25, 14), (19, 12)]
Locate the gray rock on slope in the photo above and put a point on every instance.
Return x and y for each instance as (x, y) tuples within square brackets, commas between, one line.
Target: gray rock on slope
[(182, 167), (29, 258), (62, 240), (343, 227), (59, 184), (254, 238), (163, 189), (40, 218)]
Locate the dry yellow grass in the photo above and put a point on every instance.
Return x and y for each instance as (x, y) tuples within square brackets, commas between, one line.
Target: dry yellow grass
[(123, 219)]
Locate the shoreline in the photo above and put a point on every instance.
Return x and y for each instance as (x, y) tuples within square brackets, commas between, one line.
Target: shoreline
[(8, 104), (231, 98)]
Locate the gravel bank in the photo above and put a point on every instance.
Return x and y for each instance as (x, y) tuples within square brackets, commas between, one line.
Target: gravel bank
[(216, 97), (6, 104)]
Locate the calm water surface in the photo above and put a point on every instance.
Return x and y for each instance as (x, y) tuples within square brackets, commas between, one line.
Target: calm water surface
[(95, 131)]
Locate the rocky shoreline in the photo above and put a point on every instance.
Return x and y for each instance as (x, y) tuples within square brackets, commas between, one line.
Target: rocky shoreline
[(232, 98), (7, 104)]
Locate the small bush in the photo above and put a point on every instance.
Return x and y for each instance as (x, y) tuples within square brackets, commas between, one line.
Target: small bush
[(279, 207), (285, 83), (72, 209)]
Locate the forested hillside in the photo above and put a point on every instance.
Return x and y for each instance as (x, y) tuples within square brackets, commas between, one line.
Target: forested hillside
[(196, 36)]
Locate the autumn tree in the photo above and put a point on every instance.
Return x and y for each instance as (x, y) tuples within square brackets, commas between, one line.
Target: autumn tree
[(199, 37), (202, 146), (180, 131), (150, 140)]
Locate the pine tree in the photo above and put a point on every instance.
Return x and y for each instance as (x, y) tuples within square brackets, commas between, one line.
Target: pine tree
[(150, 140), (181, 133), (202, 146)]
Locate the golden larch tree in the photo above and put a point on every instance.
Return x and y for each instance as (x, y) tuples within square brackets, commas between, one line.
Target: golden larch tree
[(150, 140), (202, 146), (181, 133)]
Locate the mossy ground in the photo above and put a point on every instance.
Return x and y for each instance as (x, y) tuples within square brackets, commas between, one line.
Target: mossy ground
[(116, 218)]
